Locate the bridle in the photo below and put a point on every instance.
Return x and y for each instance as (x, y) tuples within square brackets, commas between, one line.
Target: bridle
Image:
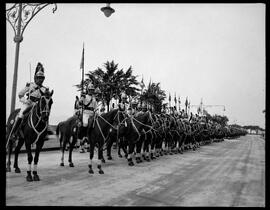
[(37, 110)]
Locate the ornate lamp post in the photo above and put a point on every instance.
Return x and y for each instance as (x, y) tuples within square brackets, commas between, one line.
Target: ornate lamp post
[(19, 15)]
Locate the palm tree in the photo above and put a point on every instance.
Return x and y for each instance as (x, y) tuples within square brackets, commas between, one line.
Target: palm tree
[(154, 96), (111, 82)]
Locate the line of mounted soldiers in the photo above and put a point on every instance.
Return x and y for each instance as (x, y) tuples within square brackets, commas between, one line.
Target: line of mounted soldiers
[(170, 132)]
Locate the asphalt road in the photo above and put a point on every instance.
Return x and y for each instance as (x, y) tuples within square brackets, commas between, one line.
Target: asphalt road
[(230, 173)]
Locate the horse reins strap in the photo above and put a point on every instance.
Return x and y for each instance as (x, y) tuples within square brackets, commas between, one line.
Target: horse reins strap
[(33, 126)]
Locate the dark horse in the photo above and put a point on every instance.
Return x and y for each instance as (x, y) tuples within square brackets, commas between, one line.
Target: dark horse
[(67, 132), (117, 135), (98, 133), (135, 126), (33, 131)]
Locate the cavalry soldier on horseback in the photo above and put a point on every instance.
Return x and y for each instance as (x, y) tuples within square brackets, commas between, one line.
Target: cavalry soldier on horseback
[(123, 102), (88, 104), (33, 92)]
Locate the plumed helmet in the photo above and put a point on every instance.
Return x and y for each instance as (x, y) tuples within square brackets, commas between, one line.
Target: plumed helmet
[(39, 70)]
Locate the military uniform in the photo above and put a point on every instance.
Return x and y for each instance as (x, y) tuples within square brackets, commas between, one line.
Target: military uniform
[(33, 92), (89, 104), (123, 104)]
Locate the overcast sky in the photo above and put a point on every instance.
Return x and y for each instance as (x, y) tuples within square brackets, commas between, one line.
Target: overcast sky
[(210, 51)]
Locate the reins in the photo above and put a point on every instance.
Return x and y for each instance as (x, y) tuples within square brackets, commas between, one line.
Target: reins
[(30, 120)]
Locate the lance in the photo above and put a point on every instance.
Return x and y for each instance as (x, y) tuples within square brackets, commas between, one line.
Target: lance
[(170, 102), (82, 67)]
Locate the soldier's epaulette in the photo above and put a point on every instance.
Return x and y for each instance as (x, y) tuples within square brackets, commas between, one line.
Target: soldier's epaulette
[(27, 84)]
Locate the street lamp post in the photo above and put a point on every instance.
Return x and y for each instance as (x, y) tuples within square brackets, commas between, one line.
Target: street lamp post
[(19, 15)]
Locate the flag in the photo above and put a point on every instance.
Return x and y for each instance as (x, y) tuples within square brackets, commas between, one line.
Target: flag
[(82, 61), (142, 84), (175, 100), (186, 103), (169, 97), (179, 101)]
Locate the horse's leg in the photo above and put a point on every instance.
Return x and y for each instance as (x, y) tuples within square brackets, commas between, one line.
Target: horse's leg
[(123, 145), (91, 155), (100, 156), (131, 146), (120, 145), (139, 148), (64, 142), (29, 177), (16, 152), (39, 146), (9, 151), (72, 144), (109, 146)]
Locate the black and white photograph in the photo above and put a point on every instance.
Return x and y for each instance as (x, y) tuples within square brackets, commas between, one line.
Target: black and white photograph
[(135, 104)]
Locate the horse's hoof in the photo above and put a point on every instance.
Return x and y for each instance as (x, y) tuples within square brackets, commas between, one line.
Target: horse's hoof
[(61, 164), (17, 170), (109, 157), (101, 172), (71, 165), (120, 156), (90, 171), (8, 169), (36, 177), (29, 178), (103, 160), (147, 159), (138, 160), (171, 153), (131, 163)]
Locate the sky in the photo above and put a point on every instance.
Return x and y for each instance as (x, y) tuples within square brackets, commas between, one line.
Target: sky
[(209, 52)]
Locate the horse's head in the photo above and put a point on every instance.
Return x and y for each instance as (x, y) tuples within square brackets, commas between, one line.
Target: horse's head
[(120, 118), (44, 104)]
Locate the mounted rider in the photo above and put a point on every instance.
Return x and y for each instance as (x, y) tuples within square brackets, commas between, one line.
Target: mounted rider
[(134, 106), (32, 91), (123, 102), (88, 103)]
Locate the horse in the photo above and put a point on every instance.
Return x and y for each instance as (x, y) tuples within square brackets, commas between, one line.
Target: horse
[(135, 127), (33, 131), (98, 133), (118, 135), (67, 133)]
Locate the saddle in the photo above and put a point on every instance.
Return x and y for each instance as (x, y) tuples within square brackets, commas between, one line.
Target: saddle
[(26, 112)]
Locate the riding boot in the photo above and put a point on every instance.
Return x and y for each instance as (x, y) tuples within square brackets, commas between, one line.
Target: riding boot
[(16, 127)]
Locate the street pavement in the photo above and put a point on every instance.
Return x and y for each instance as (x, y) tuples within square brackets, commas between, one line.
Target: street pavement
[(230, 173)]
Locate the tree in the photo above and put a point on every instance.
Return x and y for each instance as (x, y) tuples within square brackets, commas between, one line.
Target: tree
[(111, 81), (154, 96)]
